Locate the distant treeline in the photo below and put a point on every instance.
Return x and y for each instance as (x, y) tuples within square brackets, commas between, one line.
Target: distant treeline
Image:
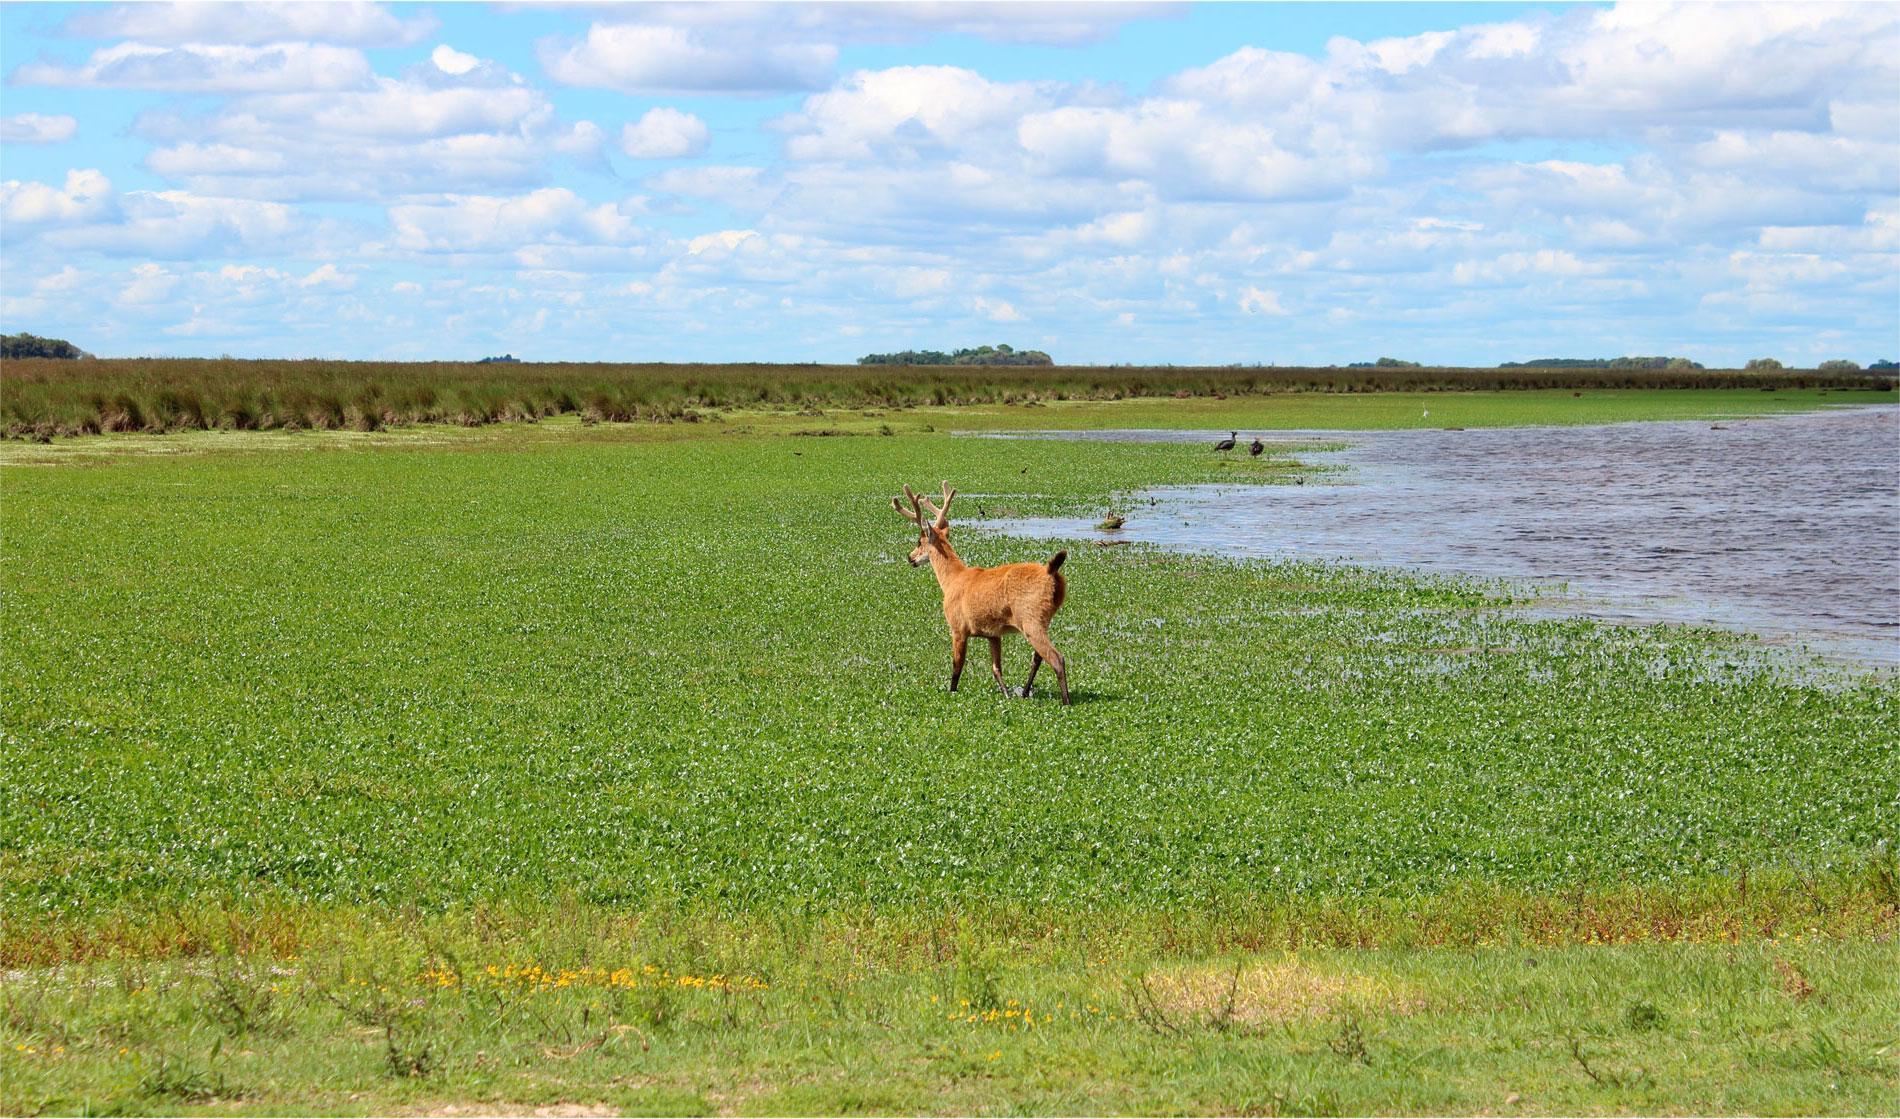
[(1603, 363), (42, 397), (32, 345), (982, 355)]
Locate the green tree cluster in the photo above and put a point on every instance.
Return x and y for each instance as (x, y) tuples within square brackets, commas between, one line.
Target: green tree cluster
[(1660, 362), (981, 355), (32, 345)]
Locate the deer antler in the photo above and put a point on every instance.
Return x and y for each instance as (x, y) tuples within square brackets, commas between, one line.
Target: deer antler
[(914, 515), (942, 514)]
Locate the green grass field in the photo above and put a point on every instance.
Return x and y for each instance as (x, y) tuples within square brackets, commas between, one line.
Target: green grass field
[(289, 719)]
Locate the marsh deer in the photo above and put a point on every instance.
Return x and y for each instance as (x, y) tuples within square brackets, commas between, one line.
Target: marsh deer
[(988, 601)]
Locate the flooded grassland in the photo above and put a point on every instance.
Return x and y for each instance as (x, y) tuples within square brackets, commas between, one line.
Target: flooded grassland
[(1786, 527)]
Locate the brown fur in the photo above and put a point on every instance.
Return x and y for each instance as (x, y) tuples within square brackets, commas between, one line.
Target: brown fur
[(989, 602)]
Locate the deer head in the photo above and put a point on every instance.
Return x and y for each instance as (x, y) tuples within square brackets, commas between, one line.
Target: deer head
[(933, 531)]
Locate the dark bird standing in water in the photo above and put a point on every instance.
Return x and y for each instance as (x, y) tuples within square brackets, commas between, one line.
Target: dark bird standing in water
[(1256, 448), (1227, 444)]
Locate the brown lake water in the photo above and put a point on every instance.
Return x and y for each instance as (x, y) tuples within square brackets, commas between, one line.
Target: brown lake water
[(1786, 527)]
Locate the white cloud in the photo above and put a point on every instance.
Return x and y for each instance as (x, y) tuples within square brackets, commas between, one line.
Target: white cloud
[(1128, 228), (1503, 40), (1779, 271), (451, 61), (920, 283), (209, 68), (1629, 70), (721, 243), (188, 159), (150, 283), (1398, 56), (335, 21), (66, 279), (1259, 301), (86, 196), (743, 188), (910, 107), (1832, 162), (996, 310), (37, 128), (1879, 232), (648, 58), (478, 223), (1186, 152), (1252, 78), (663, 133), (328, 276), (429, 131), (1518, 266), (168, 225), (1025, 21)]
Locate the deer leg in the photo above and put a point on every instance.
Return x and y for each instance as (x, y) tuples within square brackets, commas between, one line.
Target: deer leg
[(1035, 662), (959, 644), (996, 664), (1047, 650)]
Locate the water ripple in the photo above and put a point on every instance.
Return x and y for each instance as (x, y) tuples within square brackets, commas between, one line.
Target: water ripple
[(1787, 527)]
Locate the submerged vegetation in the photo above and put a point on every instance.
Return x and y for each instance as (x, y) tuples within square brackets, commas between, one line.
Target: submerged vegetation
[(390, 765), (43, 398), (352, 678)]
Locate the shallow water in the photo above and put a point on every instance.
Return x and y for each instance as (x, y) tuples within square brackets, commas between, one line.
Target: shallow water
[(1786, 527)]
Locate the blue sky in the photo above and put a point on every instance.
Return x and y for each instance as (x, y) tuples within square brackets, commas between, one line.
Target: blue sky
[(1136, 182)]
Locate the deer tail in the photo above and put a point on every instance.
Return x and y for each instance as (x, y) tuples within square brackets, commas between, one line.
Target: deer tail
[(1055, 561)]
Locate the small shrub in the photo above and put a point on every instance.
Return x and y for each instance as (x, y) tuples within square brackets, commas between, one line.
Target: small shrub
[(174, 1078)]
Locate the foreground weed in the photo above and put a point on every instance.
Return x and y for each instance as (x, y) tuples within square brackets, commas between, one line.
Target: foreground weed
[(396, 1017), (242, 998), (173, 1078), (1824, 1051), (1350, 1043), (1643, 1017), (1601, 1075)]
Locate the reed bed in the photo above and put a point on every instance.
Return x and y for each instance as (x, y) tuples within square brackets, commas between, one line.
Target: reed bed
[(43, 398)]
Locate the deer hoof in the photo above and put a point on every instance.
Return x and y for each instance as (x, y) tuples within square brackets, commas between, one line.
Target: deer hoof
[(1023, 692)]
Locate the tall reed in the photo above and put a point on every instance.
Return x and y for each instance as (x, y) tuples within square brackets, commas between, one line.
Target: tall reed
[(41, 397)]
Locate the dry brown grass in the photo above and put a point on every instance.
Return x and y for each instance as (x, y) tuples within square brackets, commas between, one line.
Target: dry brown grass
[(1849, 905), (1794, 983), (1251, 995), (541, 1111)]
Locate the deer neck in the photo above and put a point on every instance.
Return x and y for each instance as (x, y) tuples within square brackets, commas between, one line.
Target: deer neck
[(946, 564)]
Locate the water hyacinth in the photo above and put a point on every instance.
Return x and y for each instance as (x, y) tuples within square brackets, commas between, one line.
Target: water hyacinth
[(699, 670)]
